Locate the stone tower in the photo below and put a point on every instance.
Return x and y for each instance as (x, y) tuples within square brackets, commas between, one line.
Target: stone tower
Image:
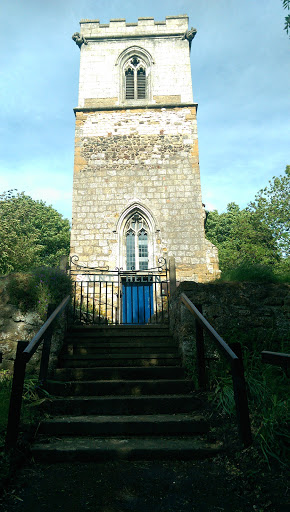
[(136, 194)]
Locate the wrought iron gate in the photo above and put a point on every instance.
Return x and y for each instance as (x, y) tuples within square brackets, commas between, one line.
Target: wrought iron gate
[(119, 296)]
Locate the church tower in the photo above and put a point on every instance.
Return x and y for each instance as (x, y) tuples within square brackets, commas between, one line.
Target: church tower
[(136, 193)]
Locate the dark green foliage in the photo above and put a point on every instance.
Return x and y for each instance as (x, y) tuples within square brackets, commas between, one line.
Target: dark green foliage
[(254, 243), (271, 206), (5, 389), (241, 238), (267, 389), (31, 233), (258, 273), (286, 5), (31, 414), (38, 288)]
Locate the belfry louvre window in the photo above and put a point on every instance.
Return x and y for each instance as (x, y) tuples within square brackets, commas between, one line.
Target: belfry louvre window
[(141, 83), (135, 79), (129, 84)]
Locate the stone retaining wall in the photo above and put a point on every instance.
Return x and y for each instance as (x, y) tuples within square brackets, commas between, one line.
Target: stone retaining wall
[(237, 311), (16, 325)]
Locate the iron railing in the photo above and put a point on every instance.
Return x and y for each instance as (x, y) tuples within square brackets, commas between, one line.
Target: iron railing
[(278, 359), (119, 296), (24, 353), (236, 364)]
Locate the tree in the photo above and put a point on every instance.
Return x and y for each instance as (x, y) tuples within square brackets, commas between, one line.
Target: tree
[(31, 233), (271, 205), (286, 5), (241, 237)]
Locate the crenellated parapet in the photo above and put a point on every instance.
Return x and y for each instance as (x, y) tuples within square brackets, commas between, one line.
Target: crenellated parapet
[(119, 28)]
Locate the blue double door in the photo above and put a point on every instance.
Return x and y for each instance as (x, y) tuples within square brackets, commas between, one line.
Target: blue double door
[(137, 302)]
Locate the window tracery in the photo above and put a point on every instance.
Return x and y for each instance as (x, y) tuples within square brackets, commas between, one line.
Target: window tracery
[(136, 234), (135, 79)]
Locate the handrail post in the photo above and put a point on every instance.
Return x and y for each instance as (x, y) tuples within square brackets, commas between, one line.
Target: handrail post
[(16, 396), (200, 355), (46, 348), (241, 400), (172, 275)]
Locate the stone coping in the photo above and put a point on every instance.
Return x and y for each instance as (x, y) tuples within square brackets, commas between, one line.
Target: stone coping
[(148, 27), (142, 19), (140, 35), (136, 107)]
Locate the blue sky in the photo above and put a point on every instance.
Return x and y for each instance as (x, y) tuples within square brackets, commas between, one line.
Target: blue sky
[(240, 71)]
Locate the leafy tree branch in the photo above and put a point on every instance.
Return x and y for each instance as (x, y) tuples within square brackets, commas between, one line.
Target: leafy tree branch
[(31, 233)]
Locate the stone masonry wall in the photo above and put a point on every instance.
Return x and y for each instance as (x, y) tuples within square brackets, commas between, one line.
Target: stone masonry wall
[(147, 157), (236, 311), (170, 73), (16, 325)]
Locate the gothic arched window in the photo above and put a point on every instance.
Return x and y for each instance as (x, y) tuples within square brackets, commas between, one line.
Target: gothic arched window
[(135, 79), (135, 75), (136, 235)]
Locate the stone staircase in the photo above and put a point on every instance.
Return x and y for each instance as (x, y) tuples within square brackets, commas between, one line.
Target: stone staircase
[(120, 392)]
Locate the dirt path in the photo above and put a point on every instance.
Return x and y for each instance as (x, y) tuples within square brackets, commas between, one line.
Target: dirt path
[(220, 484)]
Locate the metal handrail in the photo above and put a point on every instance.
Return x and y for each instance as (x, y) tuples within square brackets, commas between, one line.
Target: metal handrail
[(239, 384), (278, 359), (227, 351), (24, 353), (35, 342)]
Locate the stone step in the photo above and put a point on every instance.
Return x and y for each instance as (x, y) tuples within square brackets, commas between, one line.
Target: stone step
[(103, 449), (102, 342), (158, 424), (119, 331), (120, 387), (119, 359), (123, 405), (92, 349), (119, 373)]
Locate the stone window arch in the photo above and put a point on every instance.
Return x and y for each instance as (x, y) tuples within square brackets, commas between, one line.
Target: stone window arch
[(135, 66), (136, 238), (135, 79)]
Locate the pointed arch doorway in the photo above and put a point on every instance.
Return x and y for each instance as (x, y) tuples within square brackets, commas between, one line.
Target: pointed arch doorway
[(137, 285)]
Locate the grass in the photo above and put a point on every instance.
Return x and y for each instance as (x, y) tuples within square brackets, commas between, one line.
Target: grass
[(268, 402), (30, 416), (5, 389)]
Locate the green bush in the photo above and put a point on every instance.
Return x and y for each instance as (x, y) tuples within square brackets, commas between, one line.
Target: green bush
[(38, 288), (257, 273)]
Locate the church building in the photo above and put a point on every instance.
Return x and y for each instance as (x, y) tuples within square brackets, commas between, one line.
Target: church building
[(136, 193)]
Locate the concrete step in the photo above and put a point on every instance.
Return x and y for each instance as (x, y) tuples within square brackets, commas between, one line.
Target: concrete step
[(119, 359), (125, 405), (158, 424), (119, 373), (120, 387), (103, 449)]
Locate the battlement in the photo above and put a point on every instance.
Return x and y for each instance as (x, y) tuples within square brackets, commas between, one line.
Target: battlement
[(173, 25)]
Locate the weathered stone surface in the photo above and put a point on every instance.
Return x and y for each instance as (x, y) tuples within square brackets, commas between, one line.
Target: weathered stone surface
[(99, 70), (141, 165), (141, 153), (235, 310), (16, 326)]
